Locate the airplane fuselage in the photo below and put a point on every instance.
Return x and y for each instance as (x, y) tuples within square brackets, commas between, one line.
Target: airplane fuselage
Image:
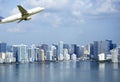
[(19, 15)]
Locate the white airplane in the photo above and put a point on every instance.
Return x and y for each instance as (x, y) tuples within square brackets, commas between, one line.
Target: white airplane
[(23, 15)]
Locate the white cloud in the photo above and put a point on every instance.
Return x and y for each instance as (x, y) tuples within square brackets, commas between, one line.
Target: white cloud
[(77, 10), (81, 7), (53, 19), (77, 13), (106, 6), (15, 30), (56, 4), (87, 9)]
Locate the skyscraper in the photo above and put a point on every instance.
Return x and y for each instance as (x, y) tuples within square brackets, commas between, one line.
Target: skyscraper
[(54, 51), (80, 51), (37, 53), (115, 54), (102, 47), (88, 50), (42, 55), (95, 49), (31, 53), (50, 55), (3, 47), (45, 48), (21, 53), (66, 55), (60, 50)]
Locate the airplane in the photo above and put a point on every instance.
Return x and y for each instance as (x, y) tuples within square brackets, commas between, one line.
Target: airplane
[(23, 15)]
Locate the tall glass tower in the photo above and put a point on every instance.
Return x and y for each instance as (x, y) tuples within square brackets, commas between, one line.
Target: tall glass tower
[(3, 47), (102, 47), (60, 50)]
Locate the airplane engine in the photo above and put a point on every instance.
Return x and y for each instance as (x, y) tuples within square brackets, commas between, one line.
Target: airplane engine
[(28, 18)]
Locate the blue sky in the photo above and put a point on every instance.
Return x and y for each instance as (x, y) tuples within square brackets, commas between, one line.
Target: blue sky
[(71, 21)]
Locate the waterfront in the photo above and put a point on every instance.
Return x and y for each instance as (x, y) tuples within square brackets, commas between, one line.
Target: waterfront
[(69, 71)]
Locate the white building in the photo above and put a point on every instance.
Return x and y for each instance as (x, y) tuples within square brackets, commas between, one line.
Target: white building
[(66, 55), (60, 51), (73, 57), (22, 54), (101, 57), (115, 54), (54, 52), (60, 57), (9, 58), (31, 53), (2, 57)]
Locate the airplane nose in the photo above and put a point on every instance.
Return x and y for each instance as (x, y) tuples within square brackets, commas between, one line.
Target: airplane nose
[(42, 8)]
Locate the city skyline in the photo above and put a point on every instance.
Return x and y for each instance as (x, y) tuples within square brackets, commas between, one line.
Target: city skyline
[(79, 21), (56, 43), (21, 53)]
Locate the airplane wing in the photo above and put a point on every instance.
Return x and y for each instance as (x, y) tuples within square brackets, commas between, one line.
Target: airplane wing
[(22, 10), (20, 20)]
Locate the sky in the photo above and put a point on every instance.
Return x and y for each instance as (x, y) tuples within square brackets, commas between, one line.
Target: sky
[(71, 21)]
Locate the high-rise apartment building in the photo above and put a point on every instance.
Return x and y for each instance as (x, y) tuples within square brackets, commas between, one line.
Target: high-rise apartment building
[(115, 54), (21, 53), (60, 50), (42, 55), (54, 52), (66, 55), (31, 53)]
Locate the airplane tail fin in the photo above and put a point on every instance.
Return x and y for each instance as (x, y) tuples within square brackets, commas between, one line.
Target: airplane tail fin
[(22, 10), (1, 18)]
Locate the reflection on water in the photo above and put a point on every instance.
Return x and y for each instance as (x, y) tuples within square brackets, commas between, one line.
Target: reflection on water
[(102, 72), (69, 71)]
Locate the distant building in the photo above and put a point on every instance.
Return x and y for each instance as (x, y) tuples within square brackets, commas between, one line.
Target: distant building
[(9, 58), (45, 48), (73, 57), (115, 54), (50, 56), (66, 55), (101, 57), (54, 52), (102, 47), (88, 50), (21, 53), (42, 55), (72, 49), (80, 51), (60, 51), (3, 47), (31, 53), (66, 46), (2, 57), (9, 48), (37, 53), (60, 57)]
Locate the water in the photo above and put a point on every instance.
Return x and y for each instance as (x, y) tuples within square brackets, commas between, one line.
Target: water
[(70, 71)]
